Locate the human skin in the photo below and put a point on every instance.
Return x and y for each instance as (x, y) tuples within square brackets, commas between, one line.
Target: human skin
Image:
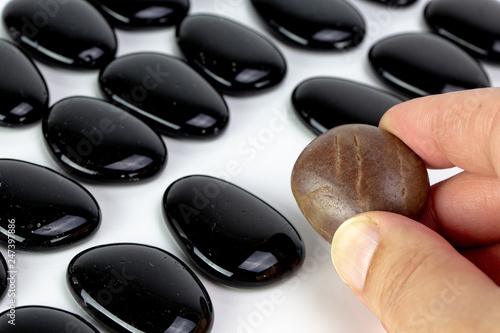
[(442, 274)]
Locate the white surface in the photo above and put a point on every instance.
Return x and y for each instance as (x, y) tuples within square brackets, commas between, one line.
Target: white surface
[(315, 299)]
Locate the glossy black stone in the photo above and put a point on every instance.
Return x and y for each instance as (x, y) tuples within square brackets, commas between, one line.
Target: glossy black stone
[(43, 210), (138, 14), (3, 275), (67, 33), (395, 3), (314, 24), (24, 94), (231, 235), (166, 93), (233, 58), (326, 102), (99, 142), (42, 319), (421, 64), (473, 25), (139, 288)]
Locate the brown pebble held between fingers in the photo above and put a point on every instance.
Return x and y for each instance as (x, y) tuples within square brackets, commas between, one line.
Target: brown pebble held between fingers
[(357, 168)]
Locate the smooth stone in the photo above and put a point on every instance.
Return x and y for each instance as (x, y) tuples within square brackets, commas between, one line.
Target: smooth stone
[(24, 94), (233, 58), (231, 235), (139, 288), (138, 14), (421, 64), (3, 275), (326, 102), (357, 168), (167, 94), (42, 319), (99, 142), (313, 24), (395, 3), (42, 209), (67, 33), (473, 25)]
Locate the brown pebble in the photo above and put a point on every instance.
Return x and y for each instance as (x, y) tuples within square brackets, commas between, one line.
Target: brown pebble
[(357, 168)]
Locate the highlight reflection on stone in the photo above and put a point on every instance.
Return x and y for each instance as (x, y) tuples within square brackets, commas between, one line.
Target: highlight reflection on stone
[(231, 235), (357, 168), (98, 142)]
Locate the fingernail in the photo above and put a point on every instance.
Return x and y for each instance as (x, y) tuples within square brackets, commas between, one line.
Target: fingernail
[(353, 246)]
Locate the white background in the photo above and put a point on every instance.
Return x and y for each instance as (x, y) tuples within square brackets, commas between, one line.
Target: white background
[(315, 299)]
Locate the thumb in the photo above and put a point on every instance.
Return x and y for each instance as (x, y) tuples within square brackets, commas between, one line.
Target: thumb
[(411, 278)]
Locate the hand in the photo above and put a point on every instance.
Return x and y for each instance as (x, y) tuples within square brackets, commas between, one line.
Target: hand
[(443, 274)]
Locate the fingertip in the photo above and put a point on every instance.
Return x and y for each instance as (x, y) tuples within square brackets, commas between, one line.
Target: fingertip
[(386, 122), (452, 129), (398, 119), (353, 246), (413, 123)]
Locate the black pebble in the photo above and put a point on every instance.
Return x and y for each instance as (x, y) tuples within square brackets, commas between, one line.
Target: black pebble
[(233, 58), (231, 235), (314, 24), (326, 102), (473, 25), (67, 33), (99, 142), (167, 94), (43, 210), (421, 64), (139, 288)]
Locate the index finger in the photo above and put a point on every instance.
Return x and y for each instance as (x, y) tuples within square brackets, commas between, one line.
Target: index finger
[(455, 129)]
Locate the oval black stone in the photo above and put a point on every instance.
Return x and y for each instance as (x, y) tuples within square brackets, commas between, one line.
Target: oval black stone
[(229, 234), (326, 102), (23, 91), (136, 14), (139, 288), (314, 24), (42, 319), (421, 64), (233, 58), (166, 93), (99, 142), (396, 3), (472, 25), (43, 210), (66, 33), (3, 275)]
